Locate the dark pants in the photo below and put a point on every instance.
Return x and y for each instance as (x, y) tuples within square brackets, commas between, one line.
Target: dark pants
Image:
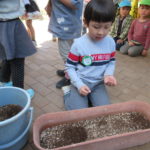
[(13, 69), (118, 45)]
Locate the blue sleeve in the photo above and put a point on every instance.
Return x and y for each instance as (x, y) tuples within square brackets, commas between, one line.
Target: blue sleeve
[(111, 65), (71, 66)]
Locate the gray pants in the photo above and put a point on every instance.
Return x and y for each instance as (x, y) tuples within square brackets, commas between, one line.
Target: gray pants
[(98, 96), (131, 50), (64, 47)]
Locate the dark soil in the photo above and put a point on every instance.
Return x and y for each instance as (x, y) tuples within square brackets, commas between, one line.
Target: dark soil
[(9, 111), (84, 130)]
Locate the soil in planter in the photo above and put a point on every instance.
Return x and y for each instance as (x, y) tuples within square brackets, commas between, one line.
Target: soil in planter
[(84, 130), (9, 111)]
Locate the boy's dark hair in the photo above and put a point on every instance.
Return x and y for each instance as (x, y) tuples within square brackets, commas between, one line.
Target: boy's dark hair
[(100, 11)]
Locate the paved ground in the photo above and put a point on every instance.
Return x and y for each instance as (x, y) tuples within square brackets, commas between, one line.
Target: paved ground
[(133, 75)]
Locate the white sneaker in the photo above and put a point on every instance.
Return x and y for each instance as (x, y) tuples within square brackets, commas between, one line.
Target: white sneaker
[(66, 89)]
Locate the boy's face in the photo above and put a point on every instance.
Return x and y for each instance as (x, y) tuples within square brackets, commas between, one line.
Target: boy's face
[(144, 10), (98, 31), (124, 11)]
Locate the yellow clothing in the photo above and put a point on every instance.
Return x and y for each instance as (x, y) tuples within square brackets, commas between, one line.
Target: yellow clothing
[(134, 9)]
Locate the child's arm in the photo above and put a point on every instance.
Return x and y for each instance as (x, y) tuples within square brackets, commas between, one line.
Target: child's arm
[(84, 90), (109, 79), (72, 62), (69, 3), (113, 28), (126, 28), (131, 31), (144, 52), (147, 43)]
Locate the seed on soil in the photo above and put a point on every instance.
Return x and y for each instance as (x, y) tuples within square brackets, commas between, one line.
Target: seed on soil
[(85, 130), (8, 111)]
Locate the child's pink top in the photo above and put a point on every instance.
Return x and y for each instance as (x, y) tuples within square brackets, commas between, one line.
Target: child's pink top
[(140, 32)]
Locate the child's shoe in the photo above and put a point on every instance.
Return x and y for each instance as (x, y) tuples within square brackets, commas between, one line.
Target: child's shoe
[(66, 89), (60, 73), (5, 84), (31, 92), (63, 82)]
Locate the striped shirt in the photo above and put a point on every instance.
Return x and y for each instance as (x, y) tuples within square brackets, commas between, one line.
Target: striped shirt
[(140, 32), (102, 54)]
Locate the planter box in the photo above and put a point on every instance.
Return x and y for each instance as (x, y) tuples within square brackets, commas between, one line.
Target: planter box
[(116, 142)]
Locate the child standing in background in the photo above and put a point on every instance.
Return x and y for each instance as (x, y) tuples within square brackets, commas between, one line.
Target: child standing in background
[(91, 62), (15, 44), (121, 25), (65, 23), (139, 33), (32, 13)]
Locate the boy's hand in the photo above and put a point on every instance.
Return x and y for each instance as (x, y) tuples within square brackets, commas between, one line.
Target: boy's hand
[(144, 52), (119, 41), (110, 80), (131, 43), (84, 90)]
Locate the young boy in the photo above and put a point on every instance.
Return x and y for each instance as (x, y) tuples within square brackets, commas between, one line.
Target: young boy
[(91, 62), (121, 25), (139, 33)]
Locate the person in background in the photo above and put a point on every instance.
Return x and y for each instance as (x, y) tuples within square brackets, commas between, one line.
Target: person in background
[(84, 30), (91, 60), (139, 33), (32, 13), (48, 10), (31, 30), (15, 44), (121, 25), (65, 24)]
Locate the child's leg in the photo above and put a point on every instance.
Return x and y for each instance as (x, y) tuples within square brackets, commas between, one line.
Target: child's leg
[(30, 29), (17, 71), (135, 50), (5, 72), (99, 95), (124, 48), (64, 48), (73, 100)]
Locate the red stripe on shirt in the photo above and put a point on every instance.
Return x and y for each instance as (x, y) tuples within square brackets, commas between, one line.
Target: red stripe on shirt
[(99, 57), (73, 57), (113, 54), (96, 57)]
